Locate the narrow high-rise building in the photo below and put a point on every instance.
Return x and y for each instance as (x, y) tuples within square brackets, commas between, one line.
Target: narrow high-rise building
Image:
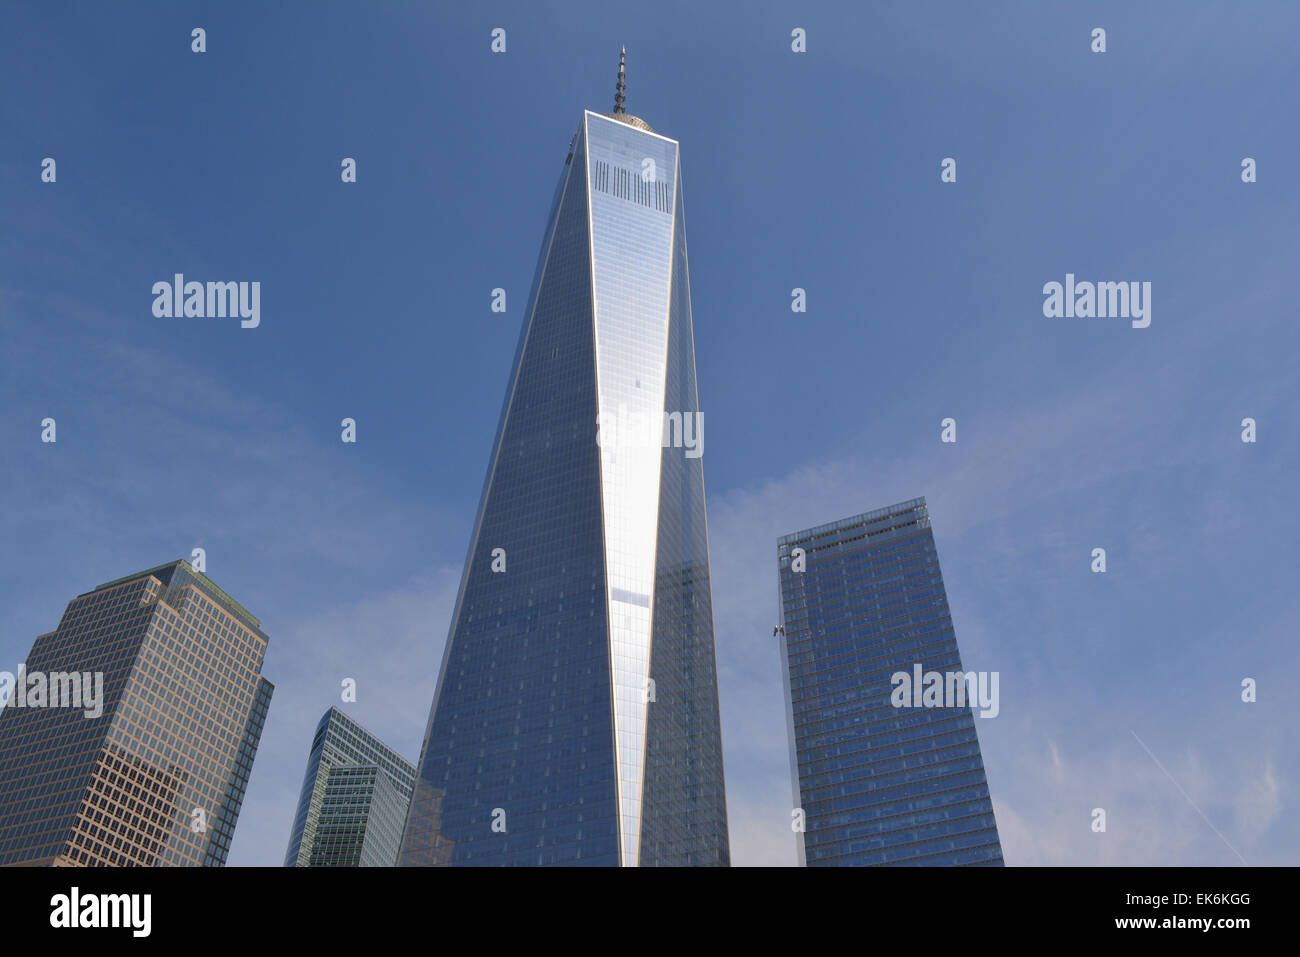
[(880, 778), (575, 719), (149, 770), (354, 799)]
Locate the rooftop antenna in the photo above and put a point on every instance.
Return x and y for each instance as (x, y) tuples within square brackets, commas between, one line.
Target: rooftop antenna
[(620, 93)]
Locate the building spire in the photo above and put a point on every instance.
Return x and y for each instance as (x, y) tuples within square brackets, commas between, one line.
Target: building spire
[(620, 97), (620, 92)]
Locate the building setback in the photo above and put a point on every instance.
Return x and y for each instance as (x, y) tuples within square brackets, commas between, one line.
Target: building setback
[(157, 779), (575, 719), (877, 784), (354, 799)]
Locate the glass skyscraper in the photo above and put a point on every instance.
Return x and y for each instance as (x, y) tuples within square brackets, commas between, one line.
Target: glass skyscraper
[(157, 777), (354, 799), (877, 784), (575, 719)]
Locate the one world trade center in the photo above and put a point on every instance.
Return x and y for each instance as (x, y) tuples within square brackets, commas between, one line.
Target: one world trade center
[(576, 718)]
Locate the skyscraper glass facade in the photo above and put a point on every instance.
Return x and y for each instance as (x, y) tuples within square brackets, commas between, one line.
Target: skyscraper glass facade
[(354, 799), (158, 777), (877, 784), (576, 718)]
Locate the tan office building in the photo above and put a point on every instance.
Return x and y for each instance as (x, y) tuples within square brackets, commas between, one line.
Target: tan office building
[(128, 737)]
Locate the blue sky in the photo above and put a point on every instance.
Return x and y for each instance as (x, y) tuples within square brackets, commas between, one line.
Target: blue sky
[(817, 170)]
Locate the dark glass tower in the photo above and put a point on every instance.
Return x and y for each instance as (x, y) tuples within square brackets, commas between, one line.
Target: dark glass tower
[(878, 784), (354, 799), (576, 714)]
